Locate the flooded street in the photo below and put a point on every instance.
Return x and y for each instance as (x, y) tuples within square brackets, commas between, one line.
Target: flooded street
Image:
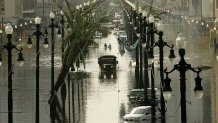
[(104, 96), (146, 29), (101, 98), (94, 99)]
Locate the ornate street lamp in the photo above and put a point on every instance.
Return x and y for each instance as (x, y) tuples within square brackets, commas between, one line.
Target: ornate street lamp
[(161, 44), (52, 106), (182, 67), (53, 103), (62, 28), (9, 47), (37, 33), (139, 33), (145, 60), (136, 23)]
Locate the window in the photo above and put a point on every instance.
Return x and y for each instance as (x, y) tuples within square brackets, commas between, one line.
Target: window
[(217, 4), (184, 3), (148, 111), (2, 7), (138, 111)]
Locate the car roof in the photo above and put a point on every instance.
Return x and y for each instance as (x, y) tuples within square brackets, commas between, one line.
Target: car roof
[(107, 56), (137, 90), (142, 89), (142, 107)]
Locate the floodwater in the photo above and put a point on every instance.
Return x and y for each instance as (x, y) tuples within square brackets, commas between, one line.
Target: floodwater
[(93, 99), (97, 98)]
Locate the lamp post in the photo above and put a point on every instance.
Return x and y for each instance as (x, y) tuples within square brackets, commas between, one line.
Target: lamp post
[(52, 106), (139, 34), (151, 32), (62, 28), (182, 67), (21, 32), (161, 45), (63, 88), (53, 26), (130, 34), (145, 61), (144, 43), (135, 24), (9, 47), (38, 33)]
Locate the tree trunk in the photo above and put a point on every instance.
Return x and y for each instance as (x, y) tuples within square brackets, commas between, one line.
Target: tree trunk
[(61, 77)]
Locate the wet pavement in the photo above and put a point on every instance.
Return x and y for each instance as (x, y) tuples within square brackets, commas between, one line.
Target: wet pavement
[(97, 99)]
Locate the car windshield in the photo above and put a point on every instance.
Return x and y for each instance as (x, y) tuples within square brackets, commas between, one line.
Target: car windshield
[(138, 111), (107, 60), (134, 93), (141, 96), (149, 90)]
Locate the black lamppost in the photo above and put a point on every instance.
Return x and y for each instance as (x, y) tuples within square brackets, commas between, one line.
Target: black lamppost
[(182, 67), (52, 106), (144, 43), (62, 28), (63, 88), (135, 24), (161, 45), (38, 33), (139, 32), (53, 26), (21, 32), (9, 47)]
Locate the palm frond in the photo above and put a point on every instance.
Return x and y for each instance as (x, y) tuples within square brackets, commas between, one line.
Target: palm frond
[(83, 27)]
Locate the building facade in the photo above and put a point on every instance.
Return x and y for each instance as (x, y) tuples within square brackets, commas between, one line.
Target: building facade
[(11, 10), (216, 8)]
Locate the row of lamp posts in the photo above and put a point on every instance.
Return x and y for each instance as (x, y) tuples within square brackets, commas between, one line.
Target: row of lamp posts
[(146, 34), (38, 33), (10, 46), (146, 30)]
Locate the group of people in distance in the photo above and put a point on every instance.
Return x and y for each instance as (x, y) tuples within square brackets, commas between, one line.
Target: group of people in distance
[(105, 46)]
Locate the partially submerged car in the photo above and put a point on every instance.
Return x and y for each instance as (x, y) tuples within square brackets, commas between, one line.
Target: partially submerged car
[(136, 95), (141, 114), (133, 94), (140, 99)]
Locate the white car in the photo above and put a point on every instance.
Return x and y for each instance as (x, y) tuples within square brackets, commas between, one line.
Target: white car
[(141, 114)]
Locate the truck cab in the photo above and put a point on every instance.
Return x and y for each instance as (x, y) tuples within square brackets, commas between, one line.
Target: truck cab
[(107, 63)]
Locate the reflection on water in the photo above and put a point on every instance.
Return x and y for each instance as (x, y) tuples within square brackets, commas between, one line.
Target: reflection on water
[(96, 98), (71, 103), (100, 97), (92, 99), (78, 100), (122, 110)]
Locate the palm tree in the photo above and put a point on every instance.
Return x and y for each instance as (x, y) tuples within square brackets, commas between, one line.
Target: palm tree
[(83, 23)]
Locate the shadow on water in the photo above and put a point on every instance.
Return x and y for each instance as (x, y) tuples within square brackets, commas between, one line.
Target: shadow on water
[(122, 110)]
